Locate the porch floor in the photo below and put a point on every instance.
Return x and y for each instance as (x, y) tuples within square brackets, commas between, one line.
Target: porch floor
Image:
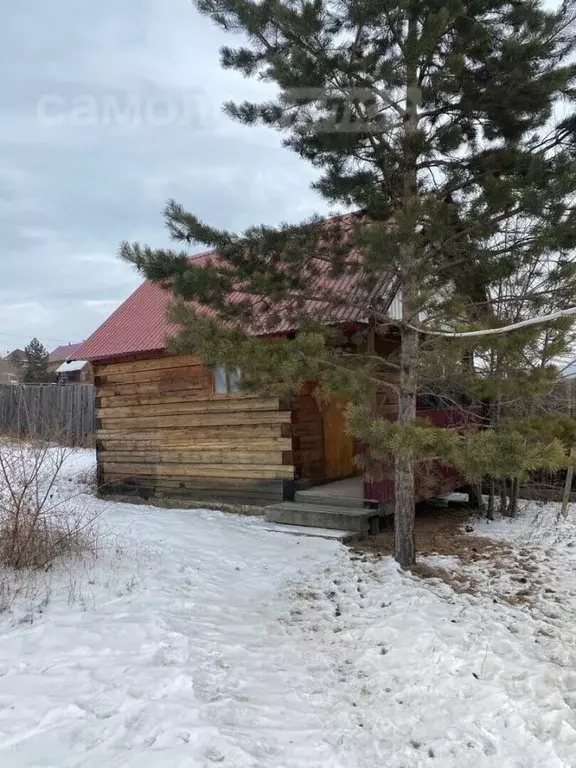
[(352, 488)]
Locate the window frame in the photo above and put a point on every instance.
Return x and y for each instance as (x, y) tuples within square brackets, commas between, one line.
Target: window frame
[(231, 385)]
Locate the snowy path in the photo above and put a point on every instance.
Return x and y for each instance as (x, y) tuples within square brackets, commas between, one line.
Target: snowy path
[(208, 640)]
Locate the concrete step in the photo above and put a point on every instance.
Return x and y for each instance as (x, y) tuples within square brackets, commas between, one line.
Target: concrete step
[(333, 534), (320, 516), (316, 496)]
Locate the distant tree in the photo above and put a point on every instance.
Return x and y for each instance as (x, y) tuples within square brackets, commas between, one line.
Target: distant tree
[(35, 363)]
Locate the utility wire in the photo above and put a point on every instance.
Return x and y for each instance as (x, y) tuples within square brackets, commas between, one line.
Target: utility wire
[(19, 336)]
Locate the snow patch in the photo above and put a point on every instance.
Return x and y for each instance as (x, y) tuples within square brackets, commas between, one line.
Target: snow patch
[(203, 639)]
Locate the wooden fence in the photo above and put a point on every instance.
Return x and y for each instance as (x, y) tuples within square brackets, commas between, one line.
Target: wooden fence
[(63, 412)]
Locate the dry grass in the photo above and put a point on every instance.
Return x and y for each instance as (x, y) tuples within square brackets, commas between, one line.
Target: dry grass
[(491, 567), (88, 480), (439, 531), (39, 521)]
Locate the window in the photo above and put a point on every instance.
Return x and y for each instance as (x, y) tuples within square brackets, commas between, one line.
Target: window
[(226, 382)]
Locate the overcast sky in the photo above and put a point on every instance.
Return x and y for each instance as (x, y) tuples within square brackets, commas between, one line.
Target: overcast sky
[(79, 171)]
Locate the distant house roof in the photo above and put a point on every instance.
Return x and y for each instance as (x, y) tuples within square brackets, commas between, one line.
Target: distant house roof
[(139, 325), (7, 367), (64, 352)]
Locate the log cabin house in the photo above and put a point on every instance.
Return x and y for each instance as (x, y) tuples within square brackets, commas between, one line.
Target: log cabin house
[(168, 427)]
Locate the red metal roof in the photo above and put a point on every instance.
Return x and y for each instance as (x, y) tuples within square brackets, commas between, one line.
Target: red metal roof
[(65, 352), (139, 325)]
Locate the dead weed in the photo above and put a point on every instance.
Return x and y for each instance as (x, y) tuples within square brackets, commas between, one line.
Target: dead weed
[(486, 566)]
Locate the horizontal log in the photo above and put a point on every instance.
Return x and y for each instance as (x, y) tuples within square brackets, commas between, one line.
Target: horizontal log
[(186, 372), (305, 429), (149, 364), (194, 419), (195, 470), (255, 493), (304, 457), (301, 417), (196, 433), (209, 483), (156, 388), (159, 457), (309, 442), (160, 398), (205, 405), (218, 496), (280, 444), (304, 402)]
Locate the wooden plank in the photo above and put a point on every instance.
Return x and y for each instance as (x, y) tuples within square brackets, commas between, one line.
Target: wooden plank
[(187, 372), (305, 402), (149, 364), (309, 442), (126, 446), (196, 470), (307, 417), (206, 405), (339, 446), (256, 493), (303, 457), (237, 456), (220, 496), (187, 435), (176, 398), (304, 430), (156, 388), (195, 419), (209, 483), (190, 395)]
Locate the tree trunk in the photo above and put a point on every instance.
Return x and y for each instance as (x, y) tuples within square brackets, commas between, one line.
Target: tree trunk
[(513, 503), (491, 498), (475, 496), (404, 504), (503, 497), (568, 484)]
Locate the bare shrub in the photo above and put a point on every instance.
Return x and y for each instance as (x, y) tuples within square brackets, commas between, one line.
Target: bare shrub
[(88, 480), (41, 517)]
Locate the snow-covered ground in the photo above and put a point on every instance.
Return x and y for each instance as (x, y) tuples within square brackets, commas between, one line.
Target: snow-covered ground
[(199, 639)]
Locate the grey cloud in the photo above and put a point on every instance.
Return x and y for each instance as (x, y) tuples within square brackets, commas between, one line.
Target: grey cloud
[(70, 192)]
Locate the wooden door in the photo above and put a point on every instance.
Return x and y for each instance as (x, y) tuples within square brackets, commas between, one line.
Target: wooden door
[(338, 445)]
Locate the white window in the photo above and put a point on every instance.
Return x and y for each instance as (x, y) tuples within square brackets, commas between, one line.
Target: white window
[(226, 382)]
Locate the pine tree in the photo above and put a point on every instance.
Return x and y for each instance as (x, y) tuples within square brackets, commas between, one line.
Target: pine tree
[(435, 121), (35, 363)]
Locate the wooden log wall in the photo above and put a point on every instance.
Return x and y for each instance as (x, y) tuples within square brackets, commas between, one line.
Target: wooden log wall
[(162, 431), (308, 438)]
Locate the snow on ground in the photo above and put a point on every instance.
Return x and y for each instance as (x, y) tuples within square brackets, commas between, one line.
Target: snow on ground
[(200, 639)]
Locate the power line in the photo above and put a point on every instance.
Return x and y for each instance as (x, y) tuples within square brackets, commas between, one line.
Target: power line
[(20, 335)]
